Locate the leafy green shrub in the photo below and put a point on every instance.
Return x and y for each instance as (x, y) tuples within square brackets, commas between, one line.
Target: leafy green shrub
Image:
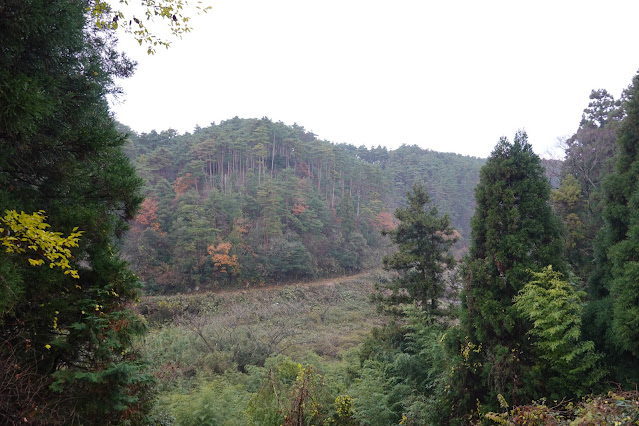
[(291, 394), (213, 402), (403, 373), (554, 308)]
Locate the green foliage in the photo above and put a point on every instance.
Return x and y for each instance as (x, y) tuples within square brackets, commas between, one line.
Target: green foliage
[(612, 315), (344, 412), (449, 178), (170, 11), (570, 205), (213, 402), (424, 240), (403, 374), (514, 230), (554, 308), (290, 394), (288, 258), (589, 159), (234, 338), (60, 152), (266, 187), (373, 404)]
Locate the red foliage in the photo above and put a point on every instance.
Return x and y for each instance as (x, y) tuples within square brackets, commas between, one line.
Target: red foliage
[(148, 217), (183, 184), (299, 208), (454, 236), (304, 170), (384, 221)]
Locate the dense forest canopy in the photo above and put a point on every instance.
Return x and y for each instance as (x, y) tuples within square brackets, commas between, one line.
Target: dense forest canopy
[(505, 281), (252, 200)]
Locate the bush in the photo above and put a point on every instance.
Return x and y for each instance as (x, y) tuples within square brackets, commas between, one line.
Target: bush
[(215, 401)]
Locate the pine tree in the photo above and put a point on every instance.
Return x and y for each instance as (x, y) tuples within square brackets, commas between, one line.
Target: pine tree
[(589, 158), (65, 343), (424, 240), (513, 231)]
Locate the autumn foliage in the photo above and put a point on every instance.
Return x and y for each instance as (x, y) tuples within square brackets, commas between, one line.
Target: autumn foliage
[(384, 221), (148, 217), (299, 208), (222, 259), (183, 184)]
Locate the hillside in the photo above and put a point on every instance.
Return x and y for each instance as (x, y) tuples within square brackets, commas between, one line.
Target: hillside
[(250, 201)]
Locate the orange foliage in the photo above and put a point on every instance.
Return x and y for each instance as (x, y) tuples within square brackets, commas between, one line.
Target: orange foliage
[(183, 184), (221, 258), (299, 208), (384, 221), (148, 215), (299, 205), (454, 236)]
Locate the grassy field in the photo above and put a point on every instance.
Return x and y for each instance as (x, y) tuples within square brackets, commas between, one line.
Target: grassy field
[(261, 356), (233, 338)]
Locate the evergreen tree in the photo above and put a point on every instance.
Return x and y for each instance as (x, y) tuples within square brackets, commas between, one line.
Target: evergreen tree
[(65, 344), (613, 314), (589, 158), (570, 206), (424, 240), (513, 231)]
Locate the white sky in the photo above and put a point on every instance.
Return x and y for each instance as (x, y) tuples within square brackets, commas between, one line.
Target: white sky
[(450, 76)]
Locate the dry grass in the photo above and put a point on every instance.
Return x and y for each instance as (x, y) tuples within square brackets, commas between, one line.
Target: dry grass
[(216, 332)]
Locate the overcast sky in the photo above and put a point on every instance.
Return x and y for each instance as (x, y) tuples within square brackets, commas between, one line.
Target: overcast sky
[(449, 76)]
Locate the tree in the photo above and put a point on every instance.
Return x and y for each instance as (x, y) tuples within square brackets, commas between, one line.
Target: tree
[(590, 150), (317, 194), (350, 244), (613, 314), (192, 232), (222, 259), (602, 110), (60, 152), (270, 199), (172, 11), (513, 231), (288, 258), (24, 231), (589, 158), (424, 239), (569, 204)]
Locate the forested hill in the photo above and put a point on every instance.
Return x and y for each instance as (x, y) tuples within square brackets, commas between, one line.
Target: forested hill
[(252, 200)]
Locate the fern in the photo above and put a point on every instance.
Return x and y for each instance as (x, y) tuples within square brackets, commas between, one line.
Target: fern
[(554, 308)]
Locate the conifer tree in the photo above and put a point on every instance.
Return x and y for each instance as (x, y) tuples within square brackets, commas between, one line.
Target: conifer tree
[(513, 231), (613, 314), (65, 343), (589, 159), (424, 240), (570, 206)]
